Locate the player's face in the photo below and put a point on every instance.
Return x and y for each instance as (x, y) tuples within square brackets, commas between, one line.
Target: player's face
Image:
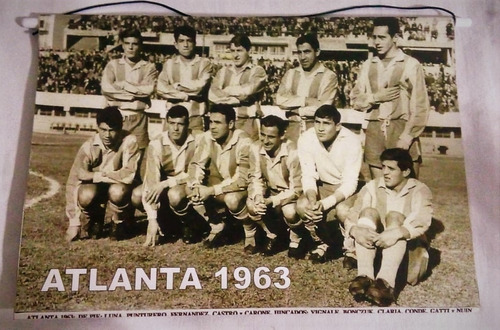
[(131, 48), (383, 41), (108, 135), (185, 46), (394, 177), (326, 129), (271, 139), (240, 55), (219, 127), (308, 57), (177, 129)]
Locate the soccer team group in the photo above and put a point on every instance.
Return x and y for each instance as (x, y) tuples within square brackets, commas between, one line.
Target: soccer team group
[(263, 171)]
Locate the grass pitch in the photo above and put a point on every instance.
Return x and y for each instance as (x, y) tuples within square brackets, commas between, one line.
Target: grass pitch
[(451, 282)]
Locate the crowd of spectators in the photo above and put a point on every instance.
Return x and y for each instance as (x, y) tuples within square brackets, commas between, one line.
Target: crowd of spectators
[(424, 29), (79, 72), (262, 26), (324, 27), (442, 90), (71, 72), (347, 74), (411, 29)]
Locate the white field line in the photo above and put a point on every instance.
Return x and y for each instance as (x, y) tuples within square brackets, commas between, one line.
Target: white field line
[(54, 187)]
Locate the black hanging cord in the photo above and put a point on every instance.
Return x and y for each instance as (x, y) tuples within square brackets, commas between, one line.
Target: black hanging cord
[(127, 3)]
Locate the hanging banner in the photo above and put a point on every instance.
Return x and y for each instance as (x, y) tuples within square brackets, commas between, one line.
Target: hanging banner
[(198, 166)]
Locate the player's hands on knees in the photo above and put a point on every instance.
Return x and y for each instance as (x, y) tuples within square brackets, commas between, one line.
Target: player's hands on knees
[(194, 196), (153, 195), (387, 94), (314, 212), (388, 238), (364, 236), (205, 192), (314, 209), (317, 211), (152, 232), (260, 205)]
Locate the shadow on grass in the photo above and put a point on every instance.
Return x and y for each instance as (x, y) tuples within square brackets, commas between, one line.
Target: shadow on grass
[(435, 228)]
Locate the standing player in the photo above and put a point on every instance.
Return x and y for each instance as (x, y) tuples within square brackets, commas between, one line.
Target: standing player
[(218, 176), (391, 89), (241, 85), (330, 157), (103, 172), (304, 89), (128, 83), (391, 213), (274, 182), (166, 174), (185, 77)]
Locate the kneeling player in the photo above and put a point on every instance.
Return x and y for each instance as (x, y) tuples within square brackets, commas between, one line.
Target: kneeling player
[(103, 172), (274, 181), (391, 213), (218, 175), (330, 158), (166, 174)]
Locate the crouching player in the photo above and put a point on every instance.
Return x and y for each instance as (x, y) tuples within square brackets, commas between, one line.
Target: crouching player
[(218, 175), (330, 158), (274, 181), (166, 175), (103, 173), (391, 214)]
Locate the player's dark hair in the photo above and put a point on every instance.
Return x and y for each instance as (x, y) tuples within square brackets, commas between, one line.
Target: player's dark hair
[(241, 40), (178, 111), (274, 121), (226, 110), (402, 157), (131, 33), (328, 111), (185, 30), (310, 39), (392, 24), (111, 116)]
